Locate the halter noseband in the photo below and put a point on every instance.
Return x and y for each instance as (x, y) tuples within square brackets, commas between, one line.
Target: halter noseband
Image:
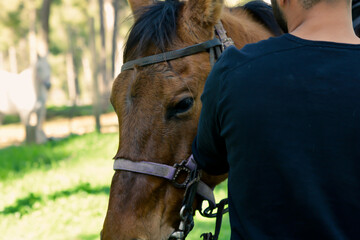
[(192, 183), (170, 173)]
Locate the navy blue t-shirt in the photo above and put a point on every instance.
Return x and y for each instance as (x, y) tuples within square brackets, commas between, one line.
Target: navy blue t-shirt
[(282, 117)]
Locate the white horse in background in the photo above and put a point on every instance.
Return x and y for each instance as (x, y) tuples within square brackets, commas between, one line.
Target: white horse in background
[(26, 94)]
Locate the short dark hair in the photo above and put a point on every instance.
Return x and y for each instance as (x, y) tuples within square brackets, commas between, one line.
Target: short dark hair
[(356, 16), (307, 4)]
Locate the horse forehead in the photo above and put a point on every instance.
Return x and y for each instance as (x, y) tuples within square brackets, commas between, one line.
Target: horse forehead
[(151, 80)]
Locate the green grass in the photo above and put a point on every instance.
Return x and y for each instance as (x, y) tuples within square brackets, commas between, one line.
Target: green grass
[(68, 111), (8, 119), (60, 190), (18, 160)]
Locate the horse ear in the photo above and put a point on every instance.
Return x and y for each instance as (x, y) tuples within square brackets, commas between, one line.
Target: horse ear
[(204, 12), (135, 5)]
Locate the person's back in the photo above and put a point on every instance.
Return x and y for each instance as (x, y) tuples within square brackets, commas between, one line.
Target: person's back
[(291, 125), (283, 118)]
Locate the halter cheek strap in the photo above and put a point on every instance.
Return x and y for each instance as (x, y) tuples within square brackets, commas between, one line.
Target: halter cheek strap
[(170, 173)]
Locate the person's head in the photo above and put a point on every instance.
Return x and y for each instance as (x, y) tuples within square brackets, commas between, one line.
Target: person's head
[(284, 8), (279, 15)]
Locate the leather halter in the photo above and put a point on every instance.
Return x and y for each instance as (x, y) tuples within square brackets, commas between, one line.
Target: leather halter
[(215, 47), (167, 56), (192, 182), (170, 173)]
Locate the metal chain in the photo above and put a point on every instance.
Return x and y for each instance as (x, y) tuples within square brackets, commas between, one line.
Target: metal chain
[(221, 210), (186, 212)]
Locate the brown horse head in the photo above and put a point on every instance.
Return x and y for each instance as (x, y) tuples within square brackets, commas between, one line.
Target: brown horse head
[(158, 108)]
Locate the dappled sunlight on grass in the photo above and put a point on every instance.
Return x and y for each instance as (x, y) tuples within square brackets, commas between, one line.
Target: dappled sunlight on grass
[(88, 159), (64, 198), (33, 200), (72, 217), (61, 190), (17, 160)]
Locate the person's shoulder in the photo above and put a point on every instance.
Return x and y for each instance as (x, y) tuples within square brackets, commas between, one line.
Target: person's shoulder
[(270, 46), (233, 58)]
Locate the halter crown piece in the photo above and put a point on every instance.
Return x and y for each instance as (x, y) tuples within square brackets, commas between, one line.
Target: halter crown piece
[(167, 56), (192, 183)]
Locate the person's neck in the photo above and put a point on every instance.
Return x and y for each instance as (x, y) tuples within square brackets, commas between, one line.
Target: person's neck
[(324, 22)]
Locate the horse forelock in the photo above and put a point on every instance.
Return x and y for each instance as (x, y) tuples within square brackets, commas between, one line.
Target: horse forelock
[(155, 27)]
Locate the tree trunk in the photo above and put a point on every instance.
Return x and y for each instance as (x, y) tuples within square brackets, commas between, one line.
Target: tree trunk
[(96, 92), (87, 79), (71, 76), (103, 45), (45, 15), (114, 37), (32, 33), (105, 83), (30, 131), (70, 73)]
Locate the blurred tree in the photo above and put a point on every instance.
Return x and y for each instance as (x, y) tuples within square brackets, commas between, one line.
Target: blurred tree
[(116, 5), (27, 26), (103, 71), (12, 24), (45, 15), (31, 9), (96, 92)]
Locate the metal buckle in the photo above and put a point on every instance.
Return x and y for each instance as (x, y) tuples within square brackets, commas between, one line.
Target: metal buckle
[(227, 42), (181, 168)]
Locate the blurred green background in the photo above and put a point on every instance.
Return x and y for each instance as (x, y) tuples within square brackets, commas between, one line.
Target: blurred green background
[(59, 190)]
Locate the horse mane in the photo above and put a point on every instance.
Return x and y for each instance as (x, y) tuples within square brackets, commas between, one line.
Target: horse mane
[(263, 13), (155, 26)]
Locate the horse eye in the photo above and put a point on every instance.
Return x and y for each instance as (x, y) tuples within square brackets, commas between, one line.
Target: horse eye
[(184, 105), (181, 107)]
